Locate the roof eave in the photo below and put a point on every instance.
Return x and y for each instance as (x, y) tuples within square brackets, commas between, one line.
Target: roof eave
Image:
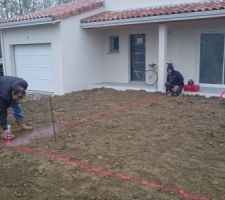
[(155, 19), (32, 22)]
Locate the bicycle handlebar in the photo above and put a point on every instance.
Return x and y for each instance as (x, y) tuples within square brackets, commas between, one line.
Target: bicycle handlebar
[(152, 65)]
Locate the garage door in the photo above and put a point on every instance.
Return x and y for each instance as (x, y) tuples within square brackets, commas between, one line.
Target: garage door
[(33, 63)]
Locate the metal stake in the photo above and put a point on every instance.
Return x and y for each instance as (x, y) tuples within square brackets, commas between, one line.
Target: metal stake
[(53, 120), (156, 92)]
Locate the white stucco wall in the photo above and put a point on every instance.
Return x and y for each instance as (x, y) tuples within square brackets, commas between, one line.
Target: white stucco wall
[(184, 44), (130, 4), (117, 66), (77, 54), (33, 35), (182, 48), (82, 53)]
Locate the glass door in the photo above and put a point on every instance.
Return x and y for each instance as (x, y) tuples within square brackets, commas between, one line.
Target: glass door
[(212, 59), (137, 55)]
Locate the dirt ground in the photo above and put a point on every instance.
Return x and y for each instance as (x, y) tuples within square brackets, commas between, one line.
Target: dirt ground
[(179, 142)]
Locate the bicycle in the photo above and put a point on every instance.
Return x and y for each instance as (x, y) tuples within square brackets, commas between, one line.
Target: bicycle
[(151, 75)]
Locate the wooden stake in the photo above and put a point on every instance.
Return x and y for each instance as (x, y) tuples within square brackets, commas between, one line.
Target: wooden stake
[(53, 120)]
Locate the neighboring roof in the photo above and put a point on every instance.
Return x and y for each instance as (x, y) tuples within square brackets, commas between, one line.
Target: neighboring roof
[(58, 12), (157, 11)]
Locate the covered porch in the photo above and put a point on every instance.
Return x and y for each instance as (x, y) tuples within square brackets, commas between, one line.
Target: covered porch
[(126, 86), (204, 90), (193, 42)]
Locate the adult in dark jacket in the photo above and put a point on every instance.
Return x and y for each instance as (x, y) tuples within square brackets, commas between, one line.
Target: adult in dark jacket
[(175, 81), (12, 90)]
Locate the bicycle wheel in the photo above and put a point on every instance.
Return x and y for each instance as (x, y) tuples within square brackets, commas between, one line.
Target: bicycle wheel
[(151, 77)]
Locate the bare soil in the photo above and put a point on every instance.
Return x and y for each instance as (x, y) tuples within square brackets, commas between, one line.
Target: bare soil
[(179, 142)]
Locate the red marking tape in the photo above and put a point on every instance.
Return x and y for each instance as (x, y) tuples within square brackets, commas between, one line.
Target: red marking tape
[(85, 167), (95, 116), (90, 169), (222, 94), (44, 132)]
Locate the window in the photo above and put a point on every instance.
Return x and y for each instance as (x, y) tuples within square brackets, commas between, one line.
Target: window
[(114, 44), (212, 59)]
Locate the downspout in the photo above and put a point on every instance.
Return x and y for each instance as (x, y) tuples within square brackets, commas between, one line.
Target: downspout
[(3, 52)]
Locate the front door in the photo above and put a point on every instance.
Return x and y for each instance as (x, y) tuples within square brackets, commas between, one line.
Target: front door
[(137, 51), (212, 70)]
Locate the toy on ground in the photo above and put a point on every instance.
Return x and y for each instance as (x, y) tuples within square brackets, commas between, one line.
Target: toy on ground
[(191, 87)]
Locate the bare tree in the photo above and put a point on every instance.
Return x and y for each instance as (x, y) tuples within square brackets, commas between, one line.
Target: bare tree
[(9, 8), (4, 9)]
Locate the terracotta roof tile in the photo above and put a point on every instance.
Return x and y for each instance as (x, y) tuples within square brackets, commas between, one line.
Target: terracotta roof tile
[(61, 11), (156, 11)]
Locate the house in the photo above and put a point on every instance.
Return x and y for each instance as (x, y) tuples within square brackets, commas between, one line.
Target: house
[(91, 43)]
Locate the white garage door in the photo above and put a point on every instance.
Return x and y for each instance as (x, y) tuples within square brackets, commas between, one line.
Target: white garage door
[(33, 63)]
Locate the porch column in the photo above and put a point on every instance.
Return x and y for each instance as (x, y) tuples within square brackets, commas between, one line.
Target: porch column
[(162, 56)]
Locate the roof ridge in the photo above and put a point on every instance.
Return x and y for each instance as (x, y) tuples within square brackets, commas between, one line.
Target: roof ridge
[(59, 11), (167, 6), (200, 6)]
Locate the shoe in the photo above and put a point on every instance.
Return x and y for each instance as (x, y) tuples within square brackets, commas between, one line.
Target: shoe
[(23, 126)]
